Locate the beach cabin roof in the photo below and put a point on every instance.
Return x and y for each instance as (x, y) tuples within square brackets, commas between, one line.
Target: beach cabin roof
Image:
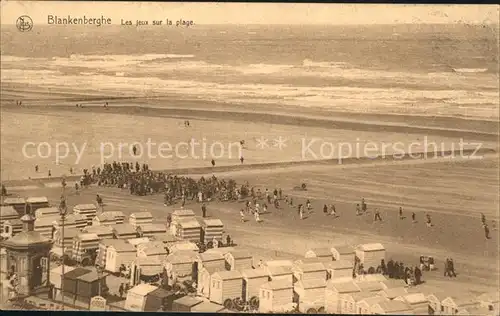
[(414, 298), (166, 238), (206, 307), (92, 276), (183, 212), (8, 211), (141, 215), (321, 252), (189, 223), (392, 306), (311, 267), (106, 216), (277, 270), (112, 242), (393, 283), (84, 207), (149, 266), (123, 247), (14, 200), (179, 257), (206, 257), (279, 263), (371, 247), (277, 285), (343, 249), (188, 301), (13, 222), (69, 233), (370, 286), (255, 273), (312, 283), (58, 270), (75, 273), (372, 300), (47, 211), (120, 229), (213, 222), (138, 241), (460, 300), (240, 254), (343, 287), (143, 289), (99, 230), (85, 236), (152, 227), (338, 264), (359, 296), (228, 275), (37, 199), (184, 245), (45, 221), (392, 293)]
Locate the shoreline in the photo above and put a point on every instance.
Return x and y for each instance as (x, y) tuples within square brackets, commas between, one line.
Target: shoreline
[(271, 165)]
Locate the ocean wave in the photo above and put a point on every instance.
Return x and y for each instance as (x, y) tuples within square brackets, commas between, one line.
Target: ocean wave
[(470, 70)]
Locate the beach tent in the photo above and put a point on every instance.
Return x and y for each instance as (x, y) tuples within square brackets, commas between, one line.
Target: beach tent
[(119, 254)]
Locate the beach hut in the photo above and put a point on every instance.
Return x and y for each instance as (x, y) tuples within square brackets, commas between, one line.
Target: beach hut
[(108, 218), (490, 300), (225, 285), (182, 214), (211, 228), (138, 241), (181, 264), (70, 282), (451, 305), (324, 254), (119, 254), (238, 260), (152, 249), (11, 227), (275, 295), (185, 304), (143, 267), (137, 299), (167, 239), (393, 293), (7, 213), (435, 299), (18, 203), (56, 279), (71, 221), (89, 210), (308, 271), (310, 295), (370, 255), (333, 293), (103, 248), (140, 218), (188, 229), (207, 307), (83, 244), (348, 302), (45, 226), (124, 231), (343, 252), (280, 273), (69, 235), (338, 269), (391, 307), (35, 202), (205, 265), (150, 230), (90, 285), (417, 301), (47, 211), (102, 232), (364, 306), (252, 281)]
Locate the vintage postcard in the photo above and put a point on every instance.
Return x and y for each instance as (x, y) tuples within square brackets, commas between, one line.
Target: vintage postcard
[(233, 157)]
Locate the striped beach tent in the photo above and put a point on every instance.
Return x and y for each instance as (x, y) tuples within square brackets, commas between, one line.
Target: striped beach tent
[(89, 210), (83, 243)]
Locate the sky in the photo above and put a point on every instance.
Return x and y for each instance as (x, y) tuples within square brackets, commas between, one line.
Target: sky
[(254, 13)]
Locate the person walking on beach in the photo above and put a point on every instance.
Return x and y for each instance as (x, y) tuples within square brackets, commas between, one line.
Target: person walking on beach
[(429, 221), (36, 168), (486, 231), (213, 163), (483, 219), (242, 215), (358, 210), (99, 202), (308, 204), (134, 150), (325, 209), (377, 216), (204, 210), (301, 211), (242, 159), (50, 174), (401, 213), (413, 217), (333, 211)]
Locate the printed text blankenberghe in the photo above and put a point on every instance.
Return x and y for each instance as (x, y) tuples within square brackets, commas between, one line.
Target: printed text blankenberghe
[(54, 19)]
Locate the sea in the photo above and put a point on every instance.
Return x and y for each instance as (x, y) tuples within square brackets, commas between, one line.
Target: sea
[(435, 70)]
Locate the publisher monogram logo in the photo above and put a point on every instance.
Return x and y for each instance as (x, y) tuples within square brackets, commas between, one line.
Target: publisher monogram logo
[(24, 23)]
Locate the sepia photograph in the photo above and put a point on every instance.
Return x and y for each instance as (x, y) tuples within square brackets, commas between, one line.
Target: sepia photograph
[(249, 158)]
